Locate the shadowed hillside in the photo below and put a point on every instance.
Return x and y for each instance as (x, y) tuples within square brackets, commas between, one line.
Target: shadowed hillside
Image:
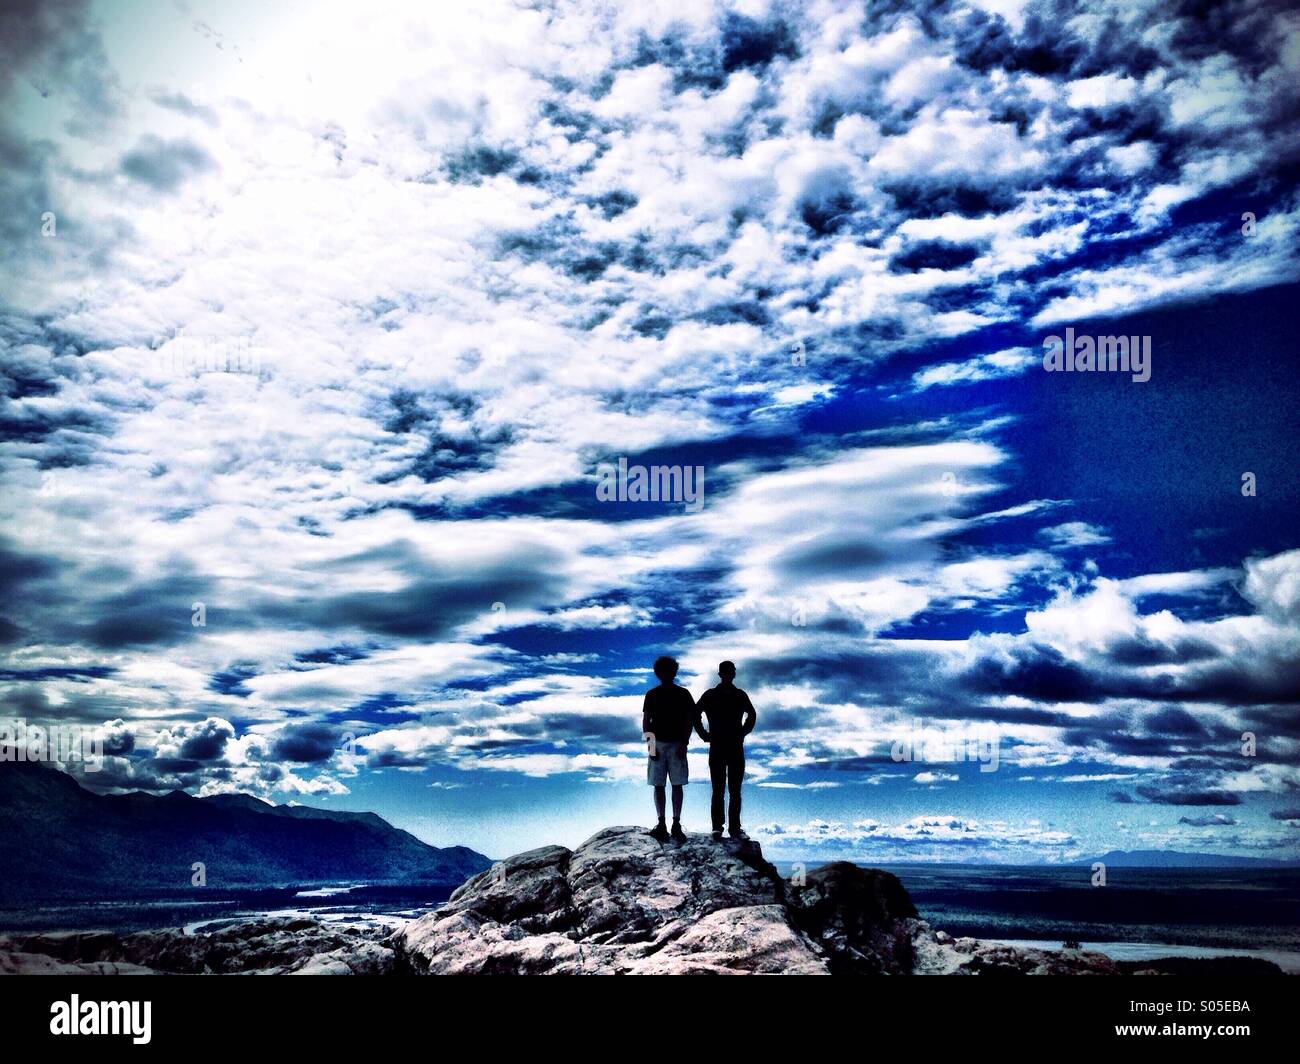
[(62, 841)]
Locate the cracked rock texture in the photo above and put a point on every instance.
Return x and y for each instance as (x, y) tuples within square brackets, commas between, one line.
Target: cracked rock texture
[(624, 903), (266, 947)]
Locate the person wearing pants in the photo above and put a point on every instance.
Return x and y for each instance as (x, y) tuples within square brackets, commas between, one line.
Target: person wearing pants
[(731, 717)]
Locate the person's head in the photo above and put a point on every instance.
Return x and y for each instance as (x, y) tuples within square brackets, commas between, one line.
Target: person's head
[(665, 668), (727, 670)]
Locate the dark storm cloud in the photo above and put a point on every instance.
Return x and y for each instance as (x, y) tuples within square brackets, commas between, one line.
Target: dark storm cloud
[(476, 162), (153, 613), (1041, 673), (935, 256), (25, 191), (1123, 744), (336, 655), (231, 681), (1175, 722), (1034, 715), (306, 743), (849, 559), (163, 766), (435, 599), (79, 701), (1137, 651), (741, 43), (118, 774), (1186, 792), (58, 672), (602, 728), (1155, 732), (1271, 720), (427, 609), (165, 165), (119, 739), (111, 610), (1044, 673), (873, 672), (19, 568), (68, 437), (893, 674), (205, 741), (777, 719), (51, 45), (446, 452), (916, 198), (27, 371)]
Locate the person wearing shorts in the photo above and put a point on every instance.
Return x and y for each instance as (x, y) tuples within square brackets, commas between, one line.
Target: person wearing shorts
[(667, 717)]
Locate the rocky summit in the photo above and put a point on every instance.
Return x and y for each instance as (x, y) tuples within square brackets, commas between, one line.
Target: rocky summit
[(621, 903), (624, 903)]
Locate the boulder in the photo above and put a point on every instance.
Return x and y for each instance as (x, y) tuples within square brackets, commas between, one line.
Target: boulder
[(620, 902), (862, 917), (624, 903)]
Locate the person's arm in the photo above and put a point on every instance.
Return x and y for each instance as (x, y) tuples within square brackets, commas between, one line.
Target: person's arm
[(645, 716), (751, 717), (699, 719)]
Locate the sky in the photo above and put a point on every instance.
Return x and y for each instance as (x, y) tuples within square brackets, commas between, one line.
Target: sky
[(319, 322)]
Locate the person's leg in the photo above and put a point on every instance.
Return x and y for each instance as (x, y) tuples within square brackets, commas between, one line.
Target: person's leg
[(735, 773), (677, 804), (718, 778), (660, 802)]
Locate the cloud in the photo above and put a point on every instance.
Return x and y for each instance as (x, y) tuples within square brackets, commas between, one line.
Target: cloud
[(1007, 363), (306, 743), (204, 741), (1074, 534), (921, 838), (935, 777), (1189, 793), (457, 266), (164, 165)]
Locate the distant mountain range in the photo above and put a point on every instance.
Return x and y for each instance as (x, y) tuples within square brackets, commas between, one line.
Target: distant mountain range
[(63, 841), (1178, 859)]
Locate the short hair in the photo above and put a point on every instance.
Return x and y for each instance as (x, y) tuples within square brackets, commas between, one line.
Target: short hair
[(665, 667), (727, 666)]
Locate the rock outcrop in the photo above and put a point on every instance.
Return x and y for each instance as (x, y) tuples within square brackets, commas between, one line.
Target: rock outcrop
[(266, 947), (624, 903)]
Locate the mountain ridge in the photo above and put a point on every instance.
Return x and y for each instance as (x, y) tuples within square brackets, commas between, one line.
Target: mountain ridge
[(64, 841), (1184, 859)]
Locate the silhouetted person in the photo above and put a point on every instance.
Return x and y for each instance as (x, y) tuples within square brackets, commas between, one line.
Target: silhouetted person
[(668, 714), (731, 717)]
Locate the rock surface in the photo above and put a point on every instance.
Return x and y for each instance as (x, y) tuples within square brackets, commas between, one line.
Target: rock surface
[(268, 947), (624, 903), (620, 903)]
